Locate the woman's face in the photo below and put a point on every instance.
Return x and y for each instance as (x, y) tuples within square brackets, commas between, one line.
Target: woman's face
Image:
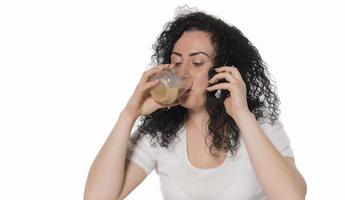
[(193, 51)]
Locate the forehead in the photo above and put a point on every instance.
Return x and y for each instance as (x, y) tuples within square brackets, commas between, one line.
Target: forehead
[(194, 41)]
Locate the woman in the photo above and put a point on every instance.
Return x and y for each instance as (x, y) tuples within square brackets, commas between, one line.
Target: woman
[(221, 140)]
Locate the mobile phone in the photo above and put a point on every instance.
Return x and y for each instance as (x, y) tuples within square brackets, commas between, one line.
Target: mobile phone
[(220, 94)]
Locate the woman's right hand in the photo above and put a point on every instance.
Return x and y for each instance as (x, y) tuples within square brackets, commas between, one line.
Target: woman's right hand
[(141, 101)]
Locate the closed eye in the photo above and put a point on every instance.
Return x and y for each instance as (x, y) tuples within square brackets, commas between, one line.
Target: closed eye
[(198, 64)]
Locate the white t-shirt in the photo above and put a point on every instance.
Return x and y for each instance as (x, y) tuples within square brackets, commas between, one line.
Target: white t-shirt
[(179, 180)]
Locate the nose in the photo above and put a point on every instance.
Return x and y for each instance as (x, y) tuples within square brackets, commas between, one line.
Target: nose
[(187, 67), (186, 72)]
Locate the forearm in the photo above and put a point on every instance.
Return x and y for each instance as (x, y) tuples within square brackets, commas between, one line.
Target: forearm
[(106, 174), (278, 179)]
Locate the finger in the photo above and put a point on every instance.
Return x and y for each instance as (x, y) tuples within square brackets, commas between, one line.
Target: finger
[(225, 75), (232, 69), (157, 69), (171, 65), (147, 74), (225, 86), (151, 84)]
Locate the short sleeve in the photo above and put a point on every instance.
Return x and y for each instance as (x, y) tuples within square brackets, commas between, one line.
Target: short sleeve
[(277, 135), (141, 152)]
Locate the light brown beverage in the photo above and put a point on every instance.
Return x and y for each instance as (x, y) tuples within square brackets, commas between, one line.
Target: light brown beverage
[(165, 95), (173, 84)]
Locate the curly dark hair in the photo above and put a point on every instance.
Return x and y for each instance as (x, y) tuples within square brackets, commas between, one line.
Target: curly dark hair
[(231, 48)]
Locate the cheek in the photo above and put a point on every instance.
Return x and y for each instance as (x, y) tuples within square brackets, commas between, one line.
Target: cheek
[(200, 83), (200, 79), (203, 78)]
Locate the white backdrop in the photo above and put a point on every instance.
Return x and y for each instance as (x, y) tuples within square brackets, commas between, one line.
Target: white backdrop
[(68, 67)]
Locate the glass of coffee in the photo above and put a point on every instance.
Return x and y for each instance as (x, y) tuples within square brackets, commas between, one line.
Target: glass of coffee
[(173, 83)]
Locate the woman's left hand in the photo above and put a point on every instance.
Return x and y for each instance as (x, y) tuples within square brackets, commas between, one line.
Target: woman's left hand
[(236, 104)]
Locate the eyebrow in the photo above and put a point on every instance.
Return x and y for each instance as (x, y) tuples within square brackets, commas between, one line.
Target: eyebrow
[(192, 54)]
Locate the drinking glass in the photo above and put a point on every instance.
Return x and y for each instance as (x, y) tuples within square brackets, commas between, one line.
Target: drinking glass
[(173, 83)]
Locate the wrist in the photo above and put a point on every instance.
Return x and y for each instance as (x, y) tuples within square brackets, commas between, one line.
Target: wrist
[(243, 117)]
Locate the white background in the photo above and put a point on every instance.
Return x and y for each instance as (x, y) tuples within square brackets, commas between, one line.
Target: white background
[(68, 67)]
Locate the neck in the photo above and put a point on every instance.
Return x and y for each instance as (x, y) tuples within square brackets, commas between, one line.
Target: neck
[(197, 119)]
